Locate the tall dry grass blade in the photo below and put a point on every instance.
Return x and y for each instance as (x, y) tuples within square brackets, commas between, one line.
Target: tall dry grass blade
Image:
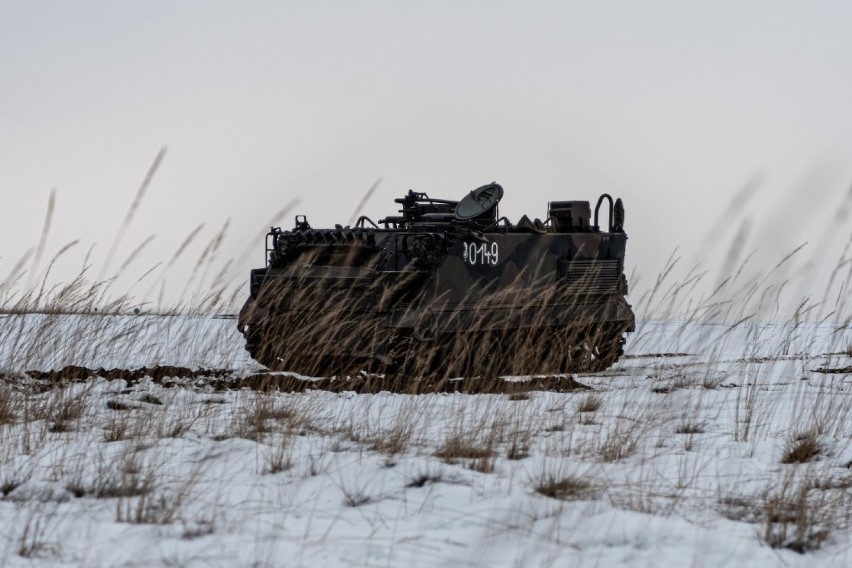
[(739, 202), (14, 275), (56, 257), (136, 252), (737, 248), (202, 265), (184, 245), (134, 206), (181, 249), (43, 239), (276, 219), (364, 200)]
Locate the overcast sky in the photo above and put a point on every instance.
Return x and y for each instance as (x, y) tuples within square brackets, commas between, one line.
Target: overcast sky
[(673, 106)]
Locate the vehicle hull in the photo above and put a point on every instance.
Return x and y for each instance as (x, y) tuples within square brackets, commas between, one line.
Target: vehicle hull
[(489, 303)]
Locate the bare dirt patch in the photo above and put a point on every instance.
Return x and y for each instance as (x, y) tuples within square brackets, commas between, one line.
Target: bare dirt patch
[(224, 379)]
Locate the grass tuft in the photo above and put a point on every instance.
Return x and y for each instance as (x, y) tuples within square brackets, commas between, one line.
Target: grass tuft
[(566, 488), (424, 478), (689, 427), (462, 446), (802, 449), (117, 405), (590, 403), (151, 399)]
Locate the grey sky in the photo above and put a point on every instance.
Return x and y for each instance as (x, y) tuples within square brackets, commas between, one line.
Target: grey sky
[(673, 106)]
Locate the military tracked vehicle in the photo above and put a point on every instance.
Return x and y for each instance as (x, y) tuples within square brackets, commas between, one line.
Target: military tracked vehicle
[(445, 288)]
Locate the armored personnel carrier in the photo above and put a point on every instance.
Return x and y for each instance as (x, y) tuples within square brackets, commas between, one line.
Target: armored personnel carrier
[(445, 288)]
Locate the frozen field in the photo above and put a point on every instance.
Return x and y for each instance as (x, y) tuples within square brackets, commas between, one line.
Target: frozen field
[(707, 445)]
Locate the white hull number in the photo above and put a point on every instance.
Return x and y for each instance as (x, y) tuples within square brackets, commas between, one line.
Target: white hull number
[(481, 253)]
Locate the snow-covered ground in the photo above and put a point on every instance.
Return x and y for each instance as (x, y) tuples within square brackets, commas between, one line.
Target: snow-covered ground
[(674, 458)]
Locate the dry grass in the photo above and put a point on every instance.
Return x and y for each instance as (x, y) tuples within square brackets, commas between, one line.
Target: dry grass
[(10, 405), (264, 414), (618, 436), (802, 449), (467, 447), (621, 439), (590, 403), (484, 434), (796, 512), (429, 476), (126, 477), (567, 487), (59, 408), (10, 484), (150, 399), (117, 405), (393, 441), (37, 539), (799, 517), (279, 455), (520, 444), (518, 396), (117, 428), (355, 498), (689, 427)]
